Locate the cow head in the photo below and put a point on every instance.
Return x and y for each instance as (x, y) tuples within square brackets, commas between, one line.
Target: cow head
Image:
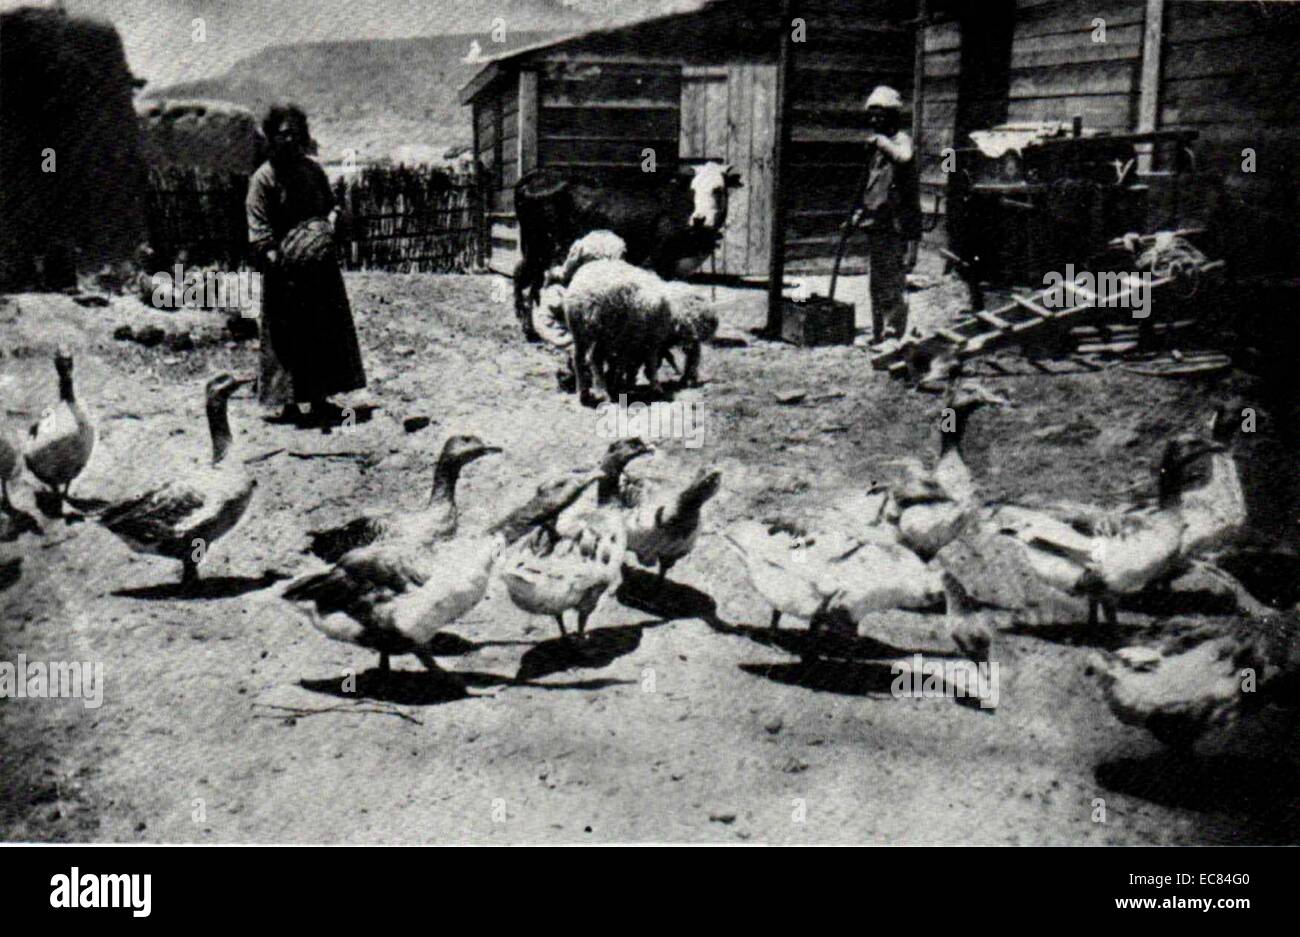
[(710, 183)]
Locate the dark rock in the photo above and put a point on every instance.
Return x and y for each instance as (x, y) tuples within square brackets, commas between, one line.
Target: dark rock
[(180, 341), (124, 333), (413, 424), (149, 336)]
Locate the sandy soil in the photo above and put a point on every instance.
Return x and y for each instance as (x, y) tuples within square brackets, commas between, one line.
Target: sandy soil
[(686, 722)]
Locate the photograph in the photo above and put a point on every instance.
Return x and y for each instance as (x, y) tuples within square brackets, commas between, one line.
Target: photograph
[(552, 423)]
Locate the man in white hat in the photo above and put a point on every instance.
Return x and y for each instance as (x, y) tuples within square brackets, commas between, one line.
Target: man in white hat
[(890, 211)]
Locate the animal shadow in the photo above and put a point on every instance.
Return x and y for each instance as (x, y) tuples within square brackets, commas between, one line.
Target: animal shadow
[(668, 600), (598, 649), (1264, 792), (401, 687), (14, 523), (217, 587)]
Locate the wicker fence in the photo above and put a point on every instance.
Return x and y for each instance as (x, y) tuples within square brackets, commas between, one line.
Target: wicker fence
[(411, 220), (402, 219), (198, 214)]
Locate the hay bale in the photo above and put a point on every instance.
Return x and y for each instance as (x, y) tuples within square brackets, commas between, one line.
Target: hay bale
[(76, 100), (194, 134)]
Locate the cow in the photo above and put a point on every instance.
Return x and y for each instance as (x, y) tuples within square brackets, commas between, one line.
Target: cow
[(670, 228)]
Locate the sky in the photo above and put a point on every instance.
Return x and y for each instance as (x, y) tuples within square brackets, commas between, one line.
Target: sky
[(159, 34)]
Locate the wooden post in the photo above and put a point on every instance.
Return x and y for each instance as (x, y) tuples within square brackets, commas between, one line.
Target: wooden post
[(918, 78), (1149, 96), (780, 146), (528, 107)]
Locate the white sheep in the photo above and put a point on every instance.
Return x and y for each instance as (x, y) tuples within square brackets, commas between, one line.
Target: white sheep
[(548, 314), (620, 317)]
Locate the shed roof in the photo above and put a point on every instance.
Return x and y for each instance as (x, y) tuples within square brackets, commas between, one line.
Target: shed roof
[(720, 31)]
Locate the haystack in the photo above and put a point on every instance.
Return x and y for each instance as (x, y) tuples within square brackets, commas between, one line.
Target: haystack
[(213, 136), (67, 89)]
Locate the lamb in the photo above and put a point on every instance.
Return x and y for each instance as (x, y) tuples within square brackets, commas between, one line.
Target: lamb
[(594, 245), (548, 315), (694, 323), (620, 317)]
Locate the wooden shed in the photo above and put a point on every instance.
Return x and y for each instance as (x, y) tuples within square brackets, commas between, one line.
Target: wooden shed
[(709, 84), (696, 86)]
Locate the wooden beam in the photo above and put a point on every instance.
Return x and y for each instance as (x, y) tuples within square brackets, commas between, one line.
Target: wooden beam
[(918, 76), (780, 148), (528, 109), (1153, 39)]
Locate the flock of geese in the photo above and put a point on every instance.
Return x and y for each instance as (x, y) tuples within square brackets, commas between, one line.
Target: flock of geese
[(392, 580)]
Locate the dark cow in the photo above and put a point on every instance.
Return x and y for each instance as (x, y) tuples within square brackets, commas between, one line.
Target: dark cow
[(671, 228)]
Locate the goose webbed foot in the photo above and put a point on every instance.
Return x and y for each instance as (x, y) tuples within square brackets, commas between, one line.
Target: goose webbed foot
[(189, 577), (435, 670)]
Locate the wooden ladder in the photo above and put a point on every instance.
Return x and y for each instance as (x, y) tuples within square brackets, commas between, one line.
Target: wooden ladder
[(1026, 319)]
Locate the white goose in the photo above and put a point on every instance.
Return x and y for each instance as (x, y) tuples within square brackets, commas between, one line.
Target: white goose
[(1215, 511), (9, 470), (395, 595), (930, 508), (1134, 551), (182, 519), (803, 573), (60, 444)]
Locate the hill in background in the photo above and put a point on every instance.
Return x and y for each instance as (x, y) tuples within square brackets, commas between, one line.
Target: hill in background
[(381, 97)]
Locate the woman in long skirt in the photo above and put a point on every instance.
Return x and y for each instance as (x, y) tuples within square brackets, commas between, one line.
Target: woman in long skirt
[(309, 344)]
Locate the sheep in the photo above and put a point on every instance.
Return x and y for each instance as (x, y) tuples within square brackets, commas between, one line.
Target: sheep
[(694, 323), (620, 317), (594, 245), (548, 314)]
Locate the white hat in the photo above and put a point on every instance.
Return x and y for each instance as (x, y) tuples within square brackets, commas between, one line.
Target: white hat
[(887, 97)]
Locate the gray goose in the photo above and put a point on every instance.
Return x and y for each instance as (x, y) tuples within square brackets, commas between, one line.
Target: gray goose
[(184, 517), (437, 521)]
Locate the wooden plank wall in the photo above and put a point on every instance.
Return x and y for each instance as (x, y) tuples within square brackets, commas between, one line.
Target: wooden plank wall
[(1230, 73), (1059, 70), (599, 117), (844, 58), (496, 136), (939, 89), (727, 113)]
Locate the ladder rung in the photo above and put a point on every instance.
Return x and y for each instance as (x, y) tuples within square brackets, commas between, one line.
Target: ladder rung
[(991, 319), (951, 336), (1086, 295), (1033, 307)]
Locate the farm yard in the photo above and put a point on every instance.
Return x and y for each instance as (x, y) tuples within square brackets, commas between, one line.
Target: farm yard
[(684, 718)]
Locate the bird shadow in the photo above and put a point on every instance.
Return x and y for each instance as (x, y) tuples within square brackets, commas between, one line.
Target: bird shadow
[(11, 570), (15, 522), (217, 587), (600, 648), (875, 679), (1260, 790), (814, 645), (668, 600), (426, 688)]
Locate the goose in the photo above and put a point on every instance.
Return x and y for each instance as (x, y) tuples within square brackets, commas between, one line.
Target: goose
[(395, 594), (9, 470), (60, 443), (182, 519), (1215, 511), (1131, 553), (613, 485), (806, 574), (437, 521), (931, 508), (548, 573), (664, 529)]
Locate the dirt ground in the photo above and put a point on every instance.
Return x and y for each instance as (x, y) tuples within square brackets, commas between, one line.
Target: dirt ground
[(223, 720)]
